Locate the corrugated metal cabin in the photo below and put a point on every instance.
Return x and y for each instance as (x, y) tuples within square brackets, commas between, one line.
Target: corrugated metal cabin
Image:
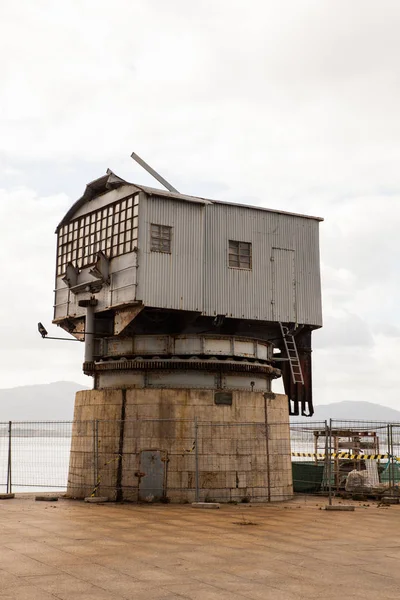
[(161, 262)]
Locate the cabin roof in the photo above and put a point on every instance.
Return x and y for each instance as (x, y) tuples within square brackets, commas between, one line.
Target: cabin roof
[(111, 181)]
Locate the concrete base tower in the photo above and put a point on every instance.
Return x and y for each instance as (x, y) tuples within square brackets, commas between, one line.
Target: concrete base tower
[(191, 427)]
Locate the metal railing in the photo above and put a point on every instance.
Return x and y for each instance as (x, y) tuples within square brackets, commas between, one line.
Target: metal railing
[(186, 460)]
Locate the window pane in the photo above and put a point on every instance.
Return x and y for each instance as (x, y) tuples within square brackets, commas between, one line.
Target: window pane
[(160, 237), (239, 254)]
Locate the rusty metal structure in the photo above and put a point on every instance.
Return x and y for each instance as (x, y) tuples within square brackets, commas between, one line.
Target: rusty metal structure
[(174, 291)]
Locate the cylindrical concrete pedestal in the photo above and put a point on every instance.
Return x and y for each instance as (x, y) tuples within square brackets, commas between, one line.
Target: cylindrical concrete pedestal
[(180, 445)]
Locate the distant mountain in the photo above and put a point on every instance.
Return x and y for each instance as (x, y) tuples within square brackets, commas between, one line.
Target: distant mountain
[(55, 402), (353, 411), (46, 402)]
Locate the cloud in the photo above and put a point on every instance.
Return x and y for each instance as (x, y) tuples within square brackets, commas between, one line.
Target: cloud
[(27, 245), (290, 105), (387, 330), (348, 330)]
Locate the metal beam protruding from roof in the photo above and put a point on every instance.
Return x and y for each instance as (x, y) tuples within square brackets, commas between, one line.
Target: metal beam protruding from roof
[(154, 173)]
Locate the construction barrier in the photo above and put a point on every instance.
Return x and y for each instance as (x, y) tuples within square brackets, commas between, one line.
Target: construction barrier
[(345, 455)]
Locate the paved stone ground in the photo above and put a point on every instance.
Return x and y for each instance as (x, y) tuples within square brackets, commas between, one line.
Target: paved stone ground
[(72, 550)]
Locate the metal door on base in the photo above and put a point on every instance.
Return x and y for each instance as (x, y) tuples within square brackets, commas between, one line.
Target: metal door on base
[(152, 484)]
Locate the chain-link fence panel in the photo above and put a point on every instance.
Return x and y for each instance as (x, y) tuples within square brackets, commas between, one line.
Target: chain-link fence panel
[(108, 458), (146, 460), (232, 462), (279, 464), (362, 457), (309, 443), (391, 475), (40, 455), (82, 475), (166, 460)]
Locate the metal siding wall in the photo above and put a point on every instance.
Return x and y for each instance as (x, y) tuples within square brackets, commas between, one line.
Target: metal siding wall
[(123, 279), (236, 292), (121, 290), (248, 294), (61, 299), (284, 307), (172, 280), (308, 276)]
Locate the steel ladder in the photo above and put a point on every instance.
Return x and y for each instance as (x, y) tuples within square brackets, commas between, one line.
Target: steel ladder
[(292, 354)]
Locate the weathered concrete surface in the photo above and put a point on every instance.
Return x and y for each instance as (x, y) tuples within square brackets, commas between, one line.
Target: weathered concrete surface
[(208, 505), (91, 405), (235, 462), (96, 499), (291, 551)]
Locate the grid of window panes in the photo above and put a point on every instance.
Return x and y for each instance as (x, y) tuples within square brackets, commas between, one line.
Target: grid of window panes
[(239, 254), (160, 237), (112, 229)]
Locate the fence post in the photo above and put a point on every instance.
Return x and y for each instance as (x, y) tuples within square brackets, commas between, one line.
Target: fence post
[(97, 453), (196, 455), (392, 477), (9, 472), (94, 425), (329, 456), (389, 453), (267, 447)]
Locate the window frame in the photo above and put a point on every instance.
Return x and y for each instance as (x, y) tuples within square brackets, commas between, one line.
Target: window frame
[(164, 235), (241, 250)]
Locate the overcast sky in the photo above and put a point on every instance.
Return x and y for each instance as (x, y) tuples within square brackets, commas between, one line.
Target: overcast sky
[(290, 104)]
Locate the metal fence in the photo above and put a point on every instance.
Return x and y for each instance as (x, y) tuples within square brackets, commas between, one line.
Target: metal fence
[(186, 460), (34, 455)]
